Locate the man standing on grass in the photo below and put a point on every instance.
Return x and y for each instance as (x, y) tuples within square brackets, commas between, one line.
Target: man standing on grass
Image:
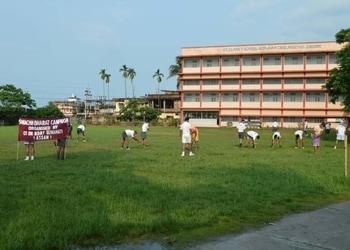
[(341, 129), (195, 137), (240, 130), (144, 129), (185, 134), (125, 136), (316, 137)]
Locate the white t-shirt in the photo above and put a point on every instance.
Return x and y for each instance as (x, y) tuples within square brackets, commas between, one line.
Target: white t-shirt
[(186, 128), (300, 133), (130, 132), (277, 134), (252, 134), (340, 130), (145, 127), (241, 127), (82, 127), (274, 124)]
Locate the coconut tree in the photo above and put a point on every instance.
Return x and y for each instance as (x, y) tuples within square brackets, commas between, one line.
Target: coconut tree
[(107, 78), (175, 70), (103, 77), (159, 76), (125, 74), (132, 74)]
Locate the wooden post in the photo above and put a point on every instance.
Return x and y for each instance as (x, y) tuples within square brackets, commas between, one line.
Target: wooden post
[(346, 156)]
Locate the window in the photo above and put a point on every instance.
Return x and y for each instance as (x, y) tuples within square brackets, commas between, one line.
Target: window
[(315, 97), (293, 60), (230, 82), (191, 82), (191, 97), (272, 81), (250, 81), (315, 80), (293, 81), (230, 61), (191, 63), (229, 97), (271, 97), (210, 82), (210, 97), (272, 60), (316, 59), (210, 62), (201, 114), (332, 58), (251, 61), (292, 97), (250, 97)]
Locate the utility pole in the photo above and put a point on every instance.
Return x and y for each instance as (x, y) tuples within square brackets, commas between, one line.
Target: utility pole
[(87, 102)]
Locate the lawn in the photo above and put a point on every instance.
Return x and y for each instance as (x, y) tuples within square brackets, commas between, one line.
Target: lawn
[(103, 195)]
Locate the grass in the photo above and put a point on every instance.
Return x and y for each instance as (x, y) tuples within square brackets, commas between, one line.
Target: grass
[(103, 195)]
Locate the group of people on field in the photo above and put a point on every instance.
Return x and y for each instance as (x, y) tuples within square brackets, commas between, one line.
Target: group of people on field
[(318, 130)]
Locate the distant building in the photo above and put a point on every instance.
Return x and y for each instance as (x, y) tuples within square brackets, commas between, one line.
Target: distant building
[(281, 82), (69, 107), (168, 103)]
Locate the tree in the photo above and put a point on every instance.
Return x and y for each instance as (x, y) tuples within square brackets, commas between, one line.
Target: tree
[(338, 84), (107, 78), (49, 110), (175, 70), (103, 77), (159, 76), (125, 74), (14, 102), (132, 74), (134, 110)]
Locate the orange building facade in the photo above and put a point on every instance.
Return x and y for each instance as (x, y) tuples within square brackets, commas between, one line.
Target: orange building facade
[(265, 82)]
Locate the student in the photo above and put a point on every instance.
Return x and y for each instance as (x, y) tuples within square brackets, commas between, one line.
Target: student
[(185, 134), (81, 132), (29, 150), (299, 138), (340, 129), (125, 136), (144, 129), (327, 129), (240, 130), (253, 136), (274, 126), (60, 145), (316, 137), (70, 129), (276, 136), (194, 136), (305, 127)]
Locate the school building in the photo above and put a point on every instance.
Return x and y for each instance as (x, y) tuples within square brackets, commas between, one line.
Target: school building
[(258, 82)]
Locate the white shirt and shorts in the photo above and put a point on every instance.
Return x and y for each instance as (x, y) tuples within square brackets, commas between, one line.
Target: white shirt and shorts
[(186, 132), (340, 132)]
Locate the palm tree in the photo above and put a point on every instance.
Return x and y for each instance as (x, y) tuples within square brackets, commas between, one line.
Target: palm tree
[(124, 70), (159, 77), (103, 77), (175, 70), (132, 74), (107, 77)]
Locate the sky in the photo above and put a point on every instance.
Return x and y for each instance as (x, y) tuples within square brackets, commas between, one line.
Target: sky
[(55, 48)]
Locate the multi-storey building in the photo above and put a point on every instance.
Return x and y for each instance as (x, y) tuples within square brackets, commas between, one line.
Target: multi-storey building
[(265, 82)]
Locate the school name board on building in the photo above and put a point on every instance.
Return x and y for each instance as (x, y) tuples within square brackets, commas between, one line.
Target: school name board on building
[(31, 129), (273, 48)]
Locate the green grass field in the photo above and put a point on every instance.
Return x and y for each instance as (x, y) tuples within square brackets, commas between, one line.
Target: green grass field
[(102, 195)]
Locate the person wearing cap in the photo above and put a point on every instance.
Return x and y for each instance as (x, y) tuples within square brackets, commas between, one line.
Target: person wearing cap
[(253, 136), (185, 134)]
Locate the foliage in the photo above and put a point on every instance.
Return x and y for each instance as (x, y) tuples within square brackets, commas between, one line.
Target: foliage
[(101, 195), (124, 70), (175, 70), (338, 84), (134, 110), (49, 110), (131, 75), (14, 102)]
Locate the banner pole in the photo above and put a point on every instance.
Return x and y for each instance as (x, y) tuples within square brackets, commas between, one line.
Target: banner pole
[(17, 149)]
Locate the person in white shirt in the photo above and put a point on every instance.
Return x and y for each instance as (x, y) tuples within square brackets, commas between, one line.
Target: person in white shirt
[(305, 127), (125, 136), (81, 132), (274, 126), (240, 130), (276, 137), (340, 129), (253, 136), (185, 134), (299, 138), (144, 129)]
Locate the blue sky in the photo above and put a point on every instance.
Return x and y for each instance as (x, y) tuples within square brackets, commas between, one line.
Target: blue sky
[(56, 48)]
